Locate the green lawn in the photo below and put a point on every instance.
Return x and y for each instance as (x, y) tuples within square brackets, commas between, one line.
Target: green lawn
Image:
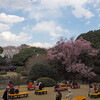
[(83, 91), (10, 74)]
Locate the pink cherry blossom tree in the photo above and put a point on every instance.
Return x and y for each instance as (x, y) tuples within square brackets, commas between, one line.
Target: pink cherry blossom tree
[(65, 56)]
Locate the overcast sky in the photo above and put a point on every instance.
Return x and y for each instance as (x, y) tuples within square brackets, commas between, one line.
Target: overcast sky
[(42, 22)]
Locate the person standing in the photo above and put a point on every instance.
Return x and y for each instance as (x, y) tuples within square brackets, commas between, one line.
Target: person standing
[(69, 96), (6, 93), (58, 96)]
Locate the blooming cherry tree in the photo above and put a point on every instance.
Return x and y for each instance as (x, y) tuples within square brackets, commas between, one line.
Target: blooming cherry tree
[(65, 55)]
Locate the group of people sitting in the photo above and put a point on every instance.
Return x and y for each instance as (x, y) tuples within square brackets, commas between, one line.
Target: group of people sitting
[(94, 89), (67, 82), (74, 83), (10, 89), (58, 85), (37, 86)]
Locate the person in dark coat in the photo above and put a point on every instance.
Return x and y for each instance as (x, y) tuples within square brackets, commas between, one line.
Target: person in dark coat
[(57, 86), (40, 85), (59, 96), (6, 92)]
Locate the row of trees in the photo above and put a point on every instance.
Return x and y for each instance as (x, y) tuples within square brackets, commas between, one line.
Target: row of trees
[(23, 56), (2, 60), (93, 37), (94, 62), (67, 59)]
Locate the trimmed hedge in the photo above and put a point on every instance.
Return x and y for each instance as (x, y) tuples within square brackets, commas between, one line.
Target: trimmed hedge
[(48, 82), (3, 73)]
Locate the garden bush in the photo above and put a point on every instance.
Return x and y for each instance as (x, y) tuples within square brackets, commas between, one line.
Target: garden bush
[(24, 73), (17, 81), (48, 82), (96, 79), (3, 73), (39, 70)]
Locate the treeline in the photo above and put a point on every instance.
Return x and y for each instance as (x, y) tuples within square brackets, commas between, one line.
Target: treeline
[(41, 66), (93, 37), (94, 62)]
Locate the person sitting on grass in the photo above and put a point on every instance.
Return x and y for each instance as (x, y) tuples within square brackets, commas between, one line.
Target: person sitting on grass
[(58, 95), (69, 96)]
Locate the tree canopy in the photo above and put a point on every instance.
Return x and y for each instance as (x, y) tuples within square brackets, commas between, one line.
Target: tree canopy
[(65, 56), (22, 57), (1, 50), (2, 61), (93, 37), (39, 70)]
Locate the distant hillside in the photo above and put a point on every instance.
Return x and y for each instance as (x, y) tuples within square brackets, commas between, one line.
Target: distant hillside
[(93, 37)]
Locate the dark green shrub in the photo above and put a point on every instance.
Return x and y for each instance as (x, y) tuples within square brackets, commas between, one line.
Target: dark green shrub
[(1, 50), (18, 81), (48, 82), (96, 79), (24, 73), (18, 70), (39, 70), (2, 61), (3, 73), (22, 57)]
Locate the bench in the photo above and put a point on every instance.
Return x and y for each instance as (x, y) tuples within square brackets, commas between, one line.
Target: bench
[(31, 88), (75, 86), (41, 91), (61, 89), (95, 95), (80, 98), (21, 94)]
